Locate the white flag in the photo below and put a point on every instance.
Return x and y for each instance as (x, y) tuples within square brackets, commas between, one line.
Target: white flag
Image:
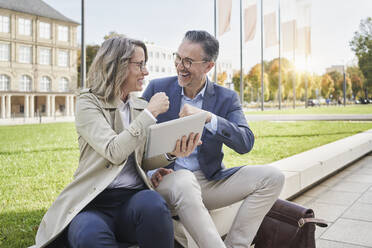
[(224, 16), (303, 33), (270, 34), (250, 22)]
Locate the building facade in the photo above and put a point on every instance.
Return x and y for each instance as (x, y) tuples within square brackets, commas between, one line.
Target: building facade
[(38, 60)]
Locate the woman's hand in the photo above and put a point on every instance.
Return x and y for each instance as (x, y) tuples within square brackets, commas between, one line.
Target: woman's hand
[(158, 176), (159, 103), (184, 147)]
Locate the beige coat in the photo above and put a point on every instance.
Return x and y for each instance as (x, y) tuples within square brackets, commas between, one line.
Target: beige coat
[(104, 149)]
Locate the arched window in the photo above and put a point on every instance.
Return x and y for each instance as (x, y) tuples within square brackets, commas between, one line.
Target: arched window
[(25, 83), (45, 83), (63, 84), (4, 82)]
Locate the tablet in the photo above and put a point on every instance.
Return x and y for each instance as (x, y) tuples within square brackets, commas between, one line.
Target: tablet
[(162, 137)]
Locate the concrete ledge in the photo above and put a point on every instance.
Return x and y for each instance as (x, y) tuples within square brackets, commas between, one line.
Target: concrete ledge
[(318, 163), (305, 169)]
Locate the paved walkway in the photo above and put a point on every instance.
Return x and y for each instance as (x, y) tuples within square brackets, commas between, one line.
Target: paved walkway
[(297, 117), (345, 200)]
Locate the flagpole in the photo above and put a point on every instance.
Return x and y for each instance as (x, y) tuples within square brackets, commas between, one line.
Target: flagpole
[(215, 35), (241, 55), (294, 67), (82, 54), (306, 82), (279, 77), (262, 65)]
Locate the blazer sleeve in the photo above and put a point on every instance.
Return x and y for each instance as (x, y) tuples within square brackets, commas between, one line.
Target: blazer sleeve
[(149, 91), (93, 127), (234, 130)]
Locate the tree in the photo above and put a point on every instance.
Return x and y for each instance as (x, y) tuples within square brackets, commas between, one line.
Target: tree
[(90, 53), (361, 44), (112, 34), (338, 80), (327, 86), (221, 78), (357, 79)]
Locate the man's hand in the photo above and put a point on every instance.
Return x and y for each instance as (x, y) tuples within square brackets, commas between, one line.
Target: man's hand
[(184, 147), (187, 110), (159, 103), (158, 176)]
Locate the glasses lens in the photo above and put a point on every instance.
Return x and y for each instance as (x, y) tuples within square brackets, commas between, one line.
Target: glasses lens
[(143, 65), (187, 63)]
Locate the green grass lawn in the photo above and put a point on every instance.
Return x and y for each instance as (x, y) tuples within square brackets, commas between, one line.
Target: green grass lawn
[(38, 161), (323, 110)]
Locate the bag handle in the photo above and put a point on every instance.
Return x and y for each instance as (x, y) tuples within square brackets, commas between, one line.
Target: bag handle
[(318, 222)]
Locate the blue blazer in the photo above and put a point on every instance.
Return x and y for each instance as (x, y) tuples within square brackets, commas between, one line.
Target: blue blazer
[(232, 127)]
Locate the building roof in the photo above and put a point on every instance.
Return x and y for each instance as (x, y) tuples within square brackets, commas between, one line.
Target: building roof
[(34, 7)]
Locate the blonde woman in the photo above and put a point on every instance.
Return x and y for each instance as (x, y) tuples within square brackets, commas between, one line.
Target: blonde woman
[(110, 201)]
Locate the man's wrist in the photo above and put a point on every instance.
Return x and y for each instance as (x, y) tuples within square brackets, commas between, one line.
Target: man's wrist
[(170, 157)]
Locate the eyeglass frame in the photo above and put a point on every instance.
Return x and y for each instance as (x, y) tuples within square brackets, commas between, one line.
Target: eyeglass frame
[(191, 61), (141, 65)]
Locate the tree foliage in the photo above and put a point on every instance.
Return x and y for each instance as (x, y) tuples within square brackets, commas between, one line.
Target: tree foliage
[(361, 44)]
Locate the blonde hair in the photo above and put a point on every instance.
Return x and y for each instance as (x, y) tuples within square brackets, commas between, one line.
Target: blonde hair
[(109, 69)]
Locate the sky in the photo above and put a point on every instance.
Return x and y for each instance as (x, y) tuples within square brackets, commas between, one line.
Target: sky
[(164, 22)]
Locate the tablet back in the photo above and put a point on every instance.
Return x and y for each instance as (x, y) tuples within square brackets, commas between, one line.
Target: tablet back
[(162, 137)]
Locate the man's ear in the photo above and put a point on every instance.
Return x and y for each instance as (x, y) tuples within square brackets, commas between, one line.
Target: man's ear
[(209, 67)]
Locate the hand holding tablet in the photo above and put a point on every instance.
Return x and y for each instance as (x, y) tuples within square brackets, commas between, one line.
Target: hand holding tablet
[(162, 138)]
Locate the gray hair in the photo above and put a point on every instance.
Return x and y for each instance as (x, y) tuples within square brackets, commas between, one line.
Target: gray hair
[(109, 69), (209, 43)]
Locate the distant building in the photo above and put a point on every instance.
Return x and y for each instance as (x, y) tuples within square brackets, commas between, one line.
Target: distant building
[(38, 54), (161, 64), (338, 68)]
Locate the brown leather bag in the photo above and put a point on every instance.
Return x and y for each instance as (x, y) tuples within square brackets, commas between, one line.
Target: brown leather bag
[(288, 225)]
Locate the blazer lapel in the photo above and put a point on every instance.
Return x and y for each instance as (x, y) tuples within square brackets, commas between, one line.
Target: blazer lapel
[(209, 100), (175, 104)]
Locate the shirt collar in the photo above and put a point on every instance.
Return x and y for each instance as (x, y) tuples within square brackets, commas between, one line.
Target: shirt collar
[(123, 105), (200, 94)]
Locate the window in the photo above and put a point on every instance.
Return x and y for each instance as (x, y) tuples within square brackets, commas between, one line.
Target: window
[(163, 69), (25, 83), (4, 52), (24, 26), (4, 82), (44, 29), (62, 33), (63, 85), (45, 55), (63, 58), (4, 24), (163, 56), (24, 54), (156, 68), (151, 68), (157, 55), (45, 84), (150, 55)]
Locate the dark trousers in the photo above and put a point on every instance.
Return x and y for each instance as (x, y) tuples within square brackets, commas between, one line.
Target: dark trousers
[(118, 218)]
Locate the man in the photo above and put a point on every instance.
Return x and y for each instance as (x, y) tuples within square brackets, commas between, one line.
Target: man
[(199, 182)]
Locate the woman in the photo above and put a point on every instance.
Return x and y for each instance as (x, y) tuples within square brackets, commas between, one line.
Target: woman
[(109, 202)]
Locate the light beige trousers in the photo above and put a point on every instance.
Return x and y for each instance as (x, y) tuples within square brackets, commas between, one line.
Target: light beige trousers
[(190, 195)]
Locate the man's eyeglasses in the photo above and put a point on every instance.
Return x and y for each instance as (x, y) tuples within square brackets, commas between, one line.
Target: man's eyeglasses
[(141, 65), (186, 62)]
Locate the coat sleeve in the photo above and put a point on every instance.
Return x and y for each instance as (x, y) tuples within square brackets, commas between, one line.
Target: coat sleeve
[(93, 126), (234, 130), (155, 162)]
